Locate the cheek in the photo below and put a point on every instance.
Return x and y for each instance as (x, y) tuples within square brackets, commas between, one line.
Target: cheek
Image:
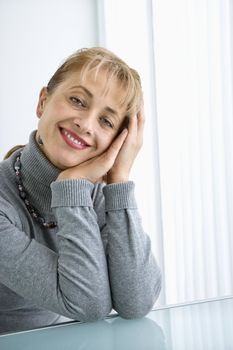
[(54, 110), (44, 124)]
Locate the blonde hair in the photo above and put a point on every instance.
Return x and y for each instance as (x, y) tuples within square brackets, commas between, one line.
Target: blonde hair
[(99, 59), (12, 150)]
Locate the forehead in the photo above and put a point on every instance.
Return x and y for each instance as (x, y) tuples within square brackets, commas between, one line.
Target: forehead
[(99, 86), (95, 80)]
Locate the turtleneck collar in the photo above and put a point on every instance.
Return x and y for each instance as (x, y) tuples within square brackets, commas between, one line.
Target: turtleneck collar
[(37, 174)]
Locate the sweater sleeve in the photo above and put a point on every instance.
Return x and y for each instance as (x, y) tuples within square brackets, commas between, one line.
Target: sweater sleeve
[(73, 282), (134, 275)]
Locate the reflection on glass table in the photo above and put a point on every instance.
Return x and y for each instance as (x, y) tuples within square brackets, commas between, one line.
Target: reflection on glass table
[(202, 325)]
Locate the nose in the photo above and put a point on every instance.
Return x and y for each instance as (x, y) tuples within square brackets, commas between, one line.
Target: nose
[(85, 124)]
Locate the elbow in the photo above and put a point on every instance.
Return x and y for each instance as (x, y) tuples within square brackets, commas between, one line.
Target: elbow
[(141, 302), (134, 311), (88, 301), (88, 309), (95, 311)]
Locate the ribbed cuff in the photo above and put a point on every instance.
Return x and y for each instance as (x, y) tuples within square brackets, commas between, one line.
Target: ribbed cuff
[(120, 196), (71, 193)]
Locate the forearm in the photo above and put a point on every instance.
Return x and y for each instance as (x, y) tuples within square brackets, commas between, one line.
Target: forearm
[(82, 265), (134, 275), (73, 281)]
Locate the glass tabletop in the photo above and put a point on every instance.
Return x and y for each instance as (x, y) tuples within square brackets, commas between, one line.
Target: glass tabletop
[(200, 325)]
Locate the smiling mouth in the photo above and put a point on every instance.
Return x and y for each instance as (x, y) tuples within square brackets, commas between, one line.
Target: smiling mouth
[(73, 140)]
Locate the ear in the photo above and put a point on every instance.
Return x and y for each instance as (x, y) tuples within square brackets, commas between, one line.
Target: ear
[(41, 102)]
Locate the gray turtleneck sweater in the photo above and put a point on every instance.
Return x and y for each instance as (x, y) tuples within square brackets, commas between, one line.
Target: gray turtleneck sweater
[(97, 258)]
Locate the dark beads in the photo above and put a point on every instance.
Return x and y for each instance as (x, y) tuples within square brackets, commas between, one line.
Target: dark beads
[(23, 195), (50, 224)]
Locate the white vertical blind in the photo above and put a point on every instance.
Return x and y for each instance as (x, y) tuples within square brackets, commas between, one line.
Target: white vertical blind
[(195, 129), (183, 51)]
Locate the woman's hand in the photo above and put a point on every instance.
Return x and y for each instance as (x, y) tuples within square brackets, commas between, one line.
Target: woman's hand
[(129, 150), (115, 163), (95, 169)]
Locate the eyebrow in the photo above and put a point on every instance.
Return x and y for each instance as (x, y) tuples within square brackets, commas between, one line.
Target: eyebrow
[(107, 108), (83, 88)]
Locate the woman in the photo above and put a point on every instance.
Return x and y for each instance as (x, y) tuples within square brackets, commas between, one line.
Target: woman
[(71, 240)]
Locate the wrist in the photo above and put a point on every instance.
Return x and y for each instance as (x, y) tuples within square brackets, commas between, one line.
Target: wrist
[(70, 174), (111, 179)]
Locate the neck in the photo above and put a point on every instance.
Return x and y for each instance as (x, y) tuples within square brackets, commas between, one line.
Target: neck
[(37, 174)]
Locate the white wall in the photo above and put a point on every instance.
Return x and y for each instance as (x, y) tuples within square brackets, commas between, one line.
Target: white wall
[(35, 37)]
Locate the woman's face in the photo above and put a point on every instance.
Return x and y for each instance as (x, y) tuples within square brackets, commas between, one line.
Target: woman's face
[(80, 119)]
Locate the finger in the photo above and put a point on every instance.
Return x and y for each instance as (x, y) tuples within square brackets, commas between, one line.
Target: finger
[(141, 118), (132, 127), (115, 147), (107, 158), (118, 142), (141, 122)]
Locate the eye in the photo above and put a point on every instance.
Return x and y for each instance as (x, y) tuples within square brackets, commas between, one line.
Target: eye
[(107, 122), (77, 101)]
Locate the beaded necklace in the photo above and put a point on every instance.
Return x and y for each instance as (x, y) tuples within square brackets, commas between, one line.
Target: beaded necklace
[(23, 195)]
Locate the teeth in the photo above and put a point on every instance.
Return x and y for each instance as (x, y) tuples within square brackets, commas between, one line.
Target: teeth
[(72, 138)]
